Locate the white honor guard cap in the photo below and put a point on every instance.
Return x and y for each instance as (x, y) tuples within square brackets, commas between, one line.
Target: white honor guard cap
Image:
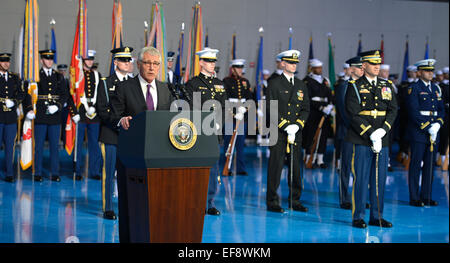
[(445, 70), (385, 67), (208, 54), (265, 72), (345, 65), (411, 68), (315, 63), (238, 63)]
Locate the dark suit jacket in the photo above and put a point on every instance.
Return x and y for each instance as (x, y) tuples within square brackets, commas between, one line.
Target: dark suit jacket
[(130, 101)]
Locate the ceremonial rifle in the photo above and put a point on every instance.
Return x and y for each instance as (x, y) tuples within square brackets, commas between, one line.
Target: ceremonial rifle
[(315, 143)]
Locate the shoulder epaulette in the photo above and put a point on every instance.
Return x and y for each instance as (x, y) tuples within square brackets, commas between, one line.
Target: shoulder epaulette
[(352, 81), (390, 81), (103, 78)]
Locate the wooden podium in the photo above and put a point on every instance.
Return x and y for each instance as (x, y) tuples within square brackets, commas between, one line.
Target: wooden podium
[(166, 163)]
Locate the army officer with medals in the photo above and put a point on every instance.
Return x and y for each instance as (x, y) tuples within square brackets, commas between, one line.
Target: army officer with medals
[(292, 96), (372, 108)]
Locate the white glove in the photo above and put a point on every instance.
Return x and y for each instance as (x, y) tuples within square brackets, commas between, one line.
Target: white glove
[(52, 109), (434, 128), (292, 129), (327, 110), (260, 113), (377, 145), (76, 118), (240, 113), (377, 134), (31, 115), (433, 136), (291, 138), (83, 100), (217, 126), (9, 103), (90, 110)]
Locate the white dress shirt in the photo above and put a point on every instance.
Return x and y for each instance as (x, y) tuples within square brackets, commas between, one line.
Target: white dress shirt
[(153, 91), (289, 78), (120, 76)]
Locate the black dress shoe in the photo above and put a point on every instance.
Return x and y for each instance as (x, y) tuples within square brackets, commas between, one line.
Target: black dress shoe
[(38, 178), (367, 205), (109, 215), (381, 223), (275, 208), (323, 166), (299, 207), (359, 223), (390, 169), (56, 178), (430, 202), (96, 177), (242, 173), (9, 179), (417, 203), (213, 211), (347, 206), (78, 177)]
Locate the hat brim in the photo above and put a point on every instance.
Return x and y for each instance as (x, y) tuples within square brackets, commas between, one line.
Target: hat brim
[(209, 59), (291, 60)]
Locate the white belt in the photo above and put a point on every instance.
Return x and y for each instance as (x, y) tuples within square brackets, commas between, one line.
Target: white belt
[(234, 100), (428, 113), (319, 99)]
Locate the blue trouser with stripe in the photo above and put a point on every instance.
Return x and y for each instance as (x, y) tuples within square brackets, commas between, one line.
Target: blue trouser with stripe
[(7, 136), (421, 152), (346, 170), (212, 185), (364, 169), (40, 132), (109, 152), (95, 158)]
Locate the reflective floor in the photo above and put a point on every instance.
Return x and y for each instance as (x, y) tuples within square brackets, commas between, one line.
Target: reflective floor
[(68, 211)]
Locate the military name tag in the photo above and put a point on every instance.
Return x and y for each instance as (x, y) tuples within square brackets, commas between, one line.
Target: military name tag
[(182, 134)]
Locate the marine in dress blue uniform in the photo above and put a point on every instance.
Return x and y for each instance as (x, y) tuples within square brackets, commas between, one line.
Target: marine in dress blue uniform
[(343, 121), (11, 95), (238, 92), (108, 129), (51, 94), (425, 118), (210, 88), (372, 109), (89, 121)]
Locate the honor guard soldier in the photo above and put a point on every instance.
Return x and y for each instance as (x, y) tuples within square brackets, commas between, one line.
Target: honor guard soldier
[(11, 95), (443, 145), (343, 124), (425, 118), (411, 72), (210, 88), (89, 120), (108, 129), (51, 94), (279, 69), (292, 96), (372, 108), (321, 106), (238, 92), (68, 105)]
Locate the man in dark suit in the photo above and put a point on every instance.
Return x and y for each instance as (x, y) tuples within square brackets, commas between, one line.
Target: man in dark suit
[(132, 97), (293, 110), (108, 129)]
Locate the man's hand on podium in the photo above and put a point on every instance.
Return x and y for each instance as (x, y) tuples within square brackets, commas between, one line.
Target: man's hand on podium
[(125, 122)]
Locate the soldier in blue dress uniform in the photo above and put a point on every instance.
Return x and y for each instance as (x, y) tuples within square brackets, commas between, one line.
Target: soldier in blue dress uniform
[(238, 92), (372, 109), (425, 118), (51, 95), (89, 121), (11, 95), (108, 129)]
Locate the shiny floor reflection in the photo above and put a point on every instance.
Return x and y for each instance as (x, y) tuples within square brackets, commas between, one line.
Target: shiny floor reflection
[(68, 211)]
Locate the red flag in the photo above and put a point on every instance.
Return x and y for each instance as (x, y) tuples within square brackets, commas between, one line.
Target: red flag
[(79, 50)]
